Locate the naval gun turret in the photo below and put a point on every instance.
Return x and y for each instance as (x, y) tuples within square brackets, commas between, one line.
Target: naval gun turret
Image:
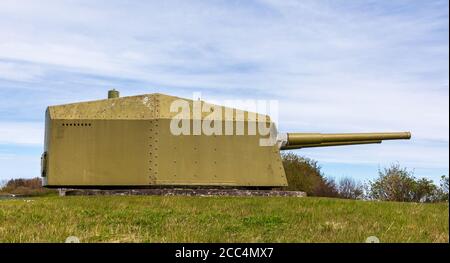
[(160, 140)]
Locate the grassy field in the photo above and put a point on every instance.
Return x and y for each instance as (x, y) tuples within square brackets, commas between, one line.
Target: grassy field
[(219, 219)]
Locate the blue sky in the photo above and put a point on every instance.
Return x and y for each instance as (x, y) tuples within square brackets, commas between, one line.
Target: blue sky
[(334, 66)]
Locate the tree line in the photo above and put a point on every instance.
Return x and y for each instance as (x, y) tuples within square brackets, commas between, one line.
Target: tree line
[(22, 186), (394, 183)]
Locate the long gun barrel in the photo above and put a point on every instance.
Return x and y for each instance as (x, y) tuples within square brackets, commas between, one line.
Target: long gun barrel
[(305, 140)]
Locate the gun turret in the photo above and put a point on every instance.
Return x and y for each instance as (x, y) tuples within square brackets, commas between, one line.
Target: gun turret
[(136, 142)]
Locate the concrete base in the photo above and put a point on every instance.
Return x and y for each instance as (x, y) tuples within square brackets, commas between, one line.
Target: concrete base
[(182, 192)]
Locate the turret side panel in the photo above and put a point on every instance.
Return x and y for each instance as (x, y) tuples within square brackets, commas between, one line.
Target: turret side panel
[(98, 153), (233, 160)]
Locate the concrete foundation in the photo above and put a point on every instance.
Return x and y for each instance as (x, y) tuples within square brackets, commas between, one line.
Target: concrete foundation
[(182, 192)]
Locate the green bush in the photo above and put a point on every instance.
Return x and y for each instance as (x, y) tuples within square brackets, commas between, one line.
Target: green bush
[(396, 183), (303, 174)]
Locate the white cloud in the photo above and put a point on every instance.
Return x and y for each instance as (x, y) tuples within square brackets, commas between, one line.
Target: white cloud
[(18, 72), (28, 133)]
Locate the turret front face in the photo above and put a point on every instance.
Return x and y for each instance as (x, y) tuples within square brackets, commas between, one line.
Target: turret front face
[(45, 155), (129, 142)]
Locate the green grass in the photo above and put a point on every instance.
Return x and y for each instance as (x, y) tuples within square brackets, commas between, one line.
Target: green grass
[(219, 219)]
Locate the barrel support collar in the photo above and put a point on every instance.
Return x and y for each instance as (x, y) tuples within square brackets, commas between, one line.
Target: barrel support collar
[(282, 139)]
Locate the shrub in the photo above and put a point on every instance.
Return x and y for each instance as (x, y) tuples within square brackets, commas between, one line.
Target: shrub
[(442, 192), (395, 183), (326, 187), (350, 189), (303, 174)]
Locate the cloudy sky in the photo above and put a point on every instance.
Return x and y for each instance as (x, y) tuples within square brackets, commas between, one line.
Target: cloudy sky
[(334, 66)]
